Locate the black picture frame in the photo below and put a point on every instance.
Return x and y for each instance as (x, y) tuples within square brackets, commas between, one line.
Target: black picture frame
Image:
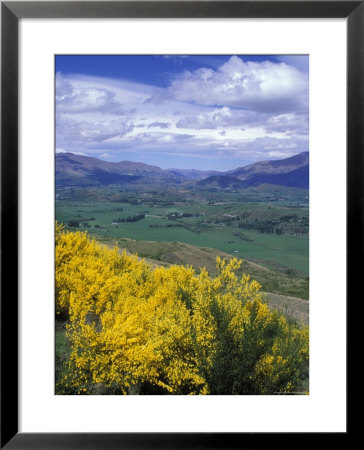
[(11, 12)]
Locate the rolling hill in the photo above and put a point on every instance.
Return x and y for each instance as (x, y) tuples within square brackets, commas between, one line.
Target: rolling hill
[(288, 294), (278, 167), (290, 172), (88, 171)]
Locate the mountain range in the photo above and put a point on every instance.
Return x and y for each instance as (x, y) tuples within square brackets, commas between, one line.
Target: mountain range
[(78, 170)]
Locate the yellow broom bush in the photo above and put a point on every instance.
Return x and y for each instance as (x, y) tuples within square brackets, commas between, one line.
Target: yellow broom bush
[(138, 329)]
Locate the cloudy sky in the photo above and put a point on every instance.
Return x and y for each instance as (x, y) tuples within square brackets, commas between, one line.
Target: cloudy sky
[(204, 112)]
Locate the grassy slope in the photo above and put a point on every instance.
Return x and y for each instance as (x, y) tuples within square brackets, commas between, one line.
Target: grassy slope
[(296, 309), (270, 250), (160, 253), (281, 290)]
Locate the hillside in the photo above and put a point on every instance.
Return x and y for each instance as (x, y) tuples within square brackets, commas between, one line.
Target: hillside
[(289, 172), (298, 178), (281, 166), (166, 253), (88, 171), (134, 329), (222, 182), (287, 294)]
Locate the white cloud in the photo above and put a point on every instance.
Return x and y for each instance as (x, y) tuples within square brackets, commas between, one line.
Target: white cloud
[(290, 124), (80, 100), (287, 123), (264, 147), (301, 62), (159, 125), (83, 132), (253, 110), (88, 100), (265, 86), (218, 117)]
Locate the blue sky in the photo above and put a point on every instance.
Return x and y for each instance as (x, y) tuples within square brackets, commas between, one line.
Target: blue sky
[(184, 111)]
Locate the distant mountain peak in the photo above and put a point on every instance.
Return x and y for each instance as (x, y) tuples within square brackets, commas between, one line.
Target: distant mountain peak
[(80, 170), (290, 172)]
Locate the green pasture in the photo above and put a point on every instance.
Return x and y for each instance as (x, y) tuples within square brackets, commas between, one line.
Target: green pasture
[(274, 251)]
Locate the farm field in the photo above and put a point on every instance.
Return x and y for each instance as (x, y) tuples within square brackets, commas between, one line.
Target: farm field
[(190, 228), (197, 223), (169, 253)]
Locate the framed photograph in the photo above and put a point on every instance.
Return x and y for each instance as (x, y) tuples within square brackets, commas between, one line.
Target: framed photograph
[(181, 220)]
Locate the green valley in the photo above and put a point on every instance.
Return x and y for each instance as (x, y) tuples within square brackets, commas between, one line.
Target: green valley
[(266, 226)]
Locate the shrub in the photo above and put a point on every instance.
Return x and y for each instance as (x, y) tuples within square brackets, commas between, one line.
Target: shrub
[(133, 328)]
